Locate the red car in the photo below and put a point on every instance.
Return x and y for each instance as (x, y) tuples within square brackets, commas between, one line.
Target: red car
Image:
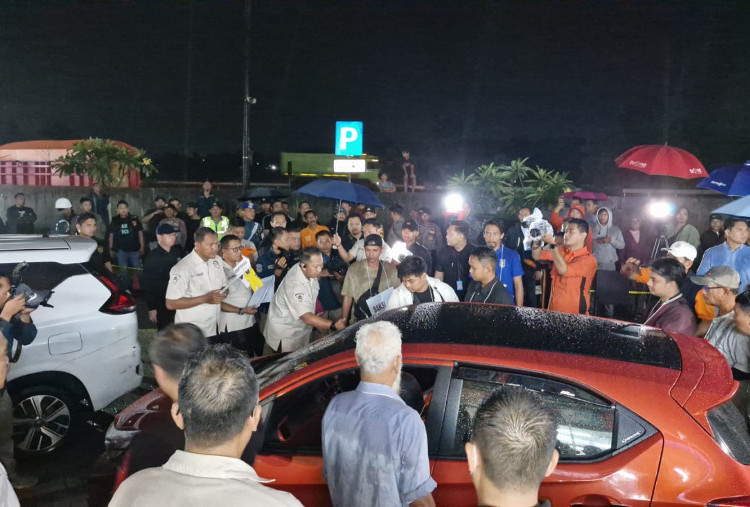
[(645, 417)]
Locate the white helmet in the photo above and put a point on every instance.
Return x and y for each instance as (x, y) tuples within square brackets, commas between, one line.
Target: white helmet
[(63, 203)]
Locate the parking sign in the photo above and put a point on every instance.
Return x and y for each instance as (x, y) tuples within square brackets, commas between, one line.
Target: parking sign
[(349, 138)]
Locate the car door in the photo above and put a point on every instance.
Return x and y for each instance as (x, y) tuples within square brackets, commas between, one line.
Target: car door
[(289, 437), (608, 455)]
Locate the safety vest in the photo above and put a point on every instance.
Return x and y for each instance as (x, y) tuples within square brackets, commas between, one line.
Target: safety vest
[(219, 228)]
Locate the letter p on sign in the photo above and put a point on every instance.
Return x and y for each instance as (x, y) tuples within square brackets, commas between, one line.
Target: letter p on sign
[(349, 138)]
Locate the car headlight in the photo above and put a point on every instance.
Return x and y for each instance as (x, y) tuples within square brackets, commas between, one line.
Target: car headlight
[(118, 440)]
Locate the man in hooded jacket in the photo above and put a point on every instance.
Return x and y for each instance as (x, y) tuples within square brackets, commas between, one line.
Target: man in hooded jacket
[(607, 240)]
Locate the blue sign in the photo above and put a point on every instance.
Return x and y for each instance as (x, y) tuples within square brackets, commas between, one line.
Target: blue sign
[(349, 138)]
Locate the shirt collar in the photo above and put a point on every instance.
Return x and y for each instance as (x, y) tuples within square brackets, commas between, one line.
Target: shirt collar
[(206, 465), (378, 389)]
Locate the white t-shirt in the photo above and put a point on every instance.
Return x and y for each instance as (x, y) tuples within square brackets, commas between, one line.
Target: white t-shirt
[(193, 277), (295, 297), (239, 295), (358, 251)]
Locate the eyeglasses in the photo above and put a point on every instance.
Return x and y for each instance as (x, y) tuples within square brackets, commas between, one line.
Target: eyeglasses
[(235, 249)]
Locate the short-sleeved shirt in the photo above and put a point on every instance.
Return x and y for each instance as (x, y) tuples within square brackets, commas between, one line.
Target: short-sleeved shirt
[(571, 291), (193, 277), (508, 267), (383, 464), (295, 297), (722, 255), (308, 237), (455, 267), (125, 233), (732, 344), (695, 297), (430, 236), (359, 278)]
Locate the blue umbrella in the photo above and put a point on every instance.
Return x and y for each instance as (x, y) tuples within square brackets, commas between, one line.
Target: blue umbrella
[(341, 191), (732, 180), (738, 208)]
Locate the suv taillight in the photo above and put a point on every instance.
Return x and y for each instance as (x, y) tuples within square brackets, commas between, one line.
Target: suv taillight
[(119, 301), (734, 501)]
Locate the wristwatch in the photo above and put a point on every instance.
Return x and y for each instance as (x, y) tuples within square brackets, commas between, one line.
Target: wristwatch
[(332, 327), (241, 311), (552, 246)]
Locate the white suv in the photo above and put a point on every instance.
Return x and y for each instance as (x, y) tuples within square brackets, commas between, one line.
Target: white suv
[(86, 352)]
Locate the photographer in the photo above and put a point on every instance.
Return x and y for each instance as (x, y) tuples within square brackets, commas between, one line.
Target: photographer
[(573, 268), (15, 324)]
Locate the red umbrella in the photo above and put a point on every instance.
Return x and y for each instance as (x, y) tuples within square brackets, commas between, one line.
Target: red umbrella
[(662, 160), (583, 195)]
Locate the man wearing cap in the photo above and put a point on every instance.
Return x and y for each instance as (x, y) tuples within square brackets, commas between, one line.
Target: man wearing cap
[(684, 253), (370, 213), (291, 316), (253, 230), (430, 235), (206, 199), (734, 252), (307, 235), (61, 223), (216, 221), (357, 251), (720, 285), (410, 233), (196, 284), (156, 267), (367, 278), (152, 218)]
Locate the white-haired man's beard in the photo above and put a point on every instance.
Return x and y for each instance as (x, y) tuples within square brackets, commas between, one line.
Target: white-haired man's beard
[(396, 386)]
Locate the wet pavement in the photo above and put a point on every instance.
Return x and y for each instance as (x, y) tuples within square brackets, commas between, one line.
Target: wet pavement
[(63, 474)]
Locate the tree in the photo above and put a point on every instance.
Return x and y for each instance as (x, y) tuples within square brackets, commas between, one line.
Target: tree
[(104, 161), (511, 186)]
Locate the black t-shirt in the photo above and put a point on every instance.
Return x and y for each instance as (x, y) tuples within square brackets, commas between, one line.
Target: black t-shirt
[(495, 292), (424, 297), (191, 225), (455, 267), (420, 251), (125, 233)]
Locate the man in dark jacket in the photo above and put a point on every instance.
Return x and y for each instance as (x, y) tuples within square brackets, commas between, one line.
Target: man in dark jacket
[(156, 267), (21, 218), (672, 312), (515, 239)]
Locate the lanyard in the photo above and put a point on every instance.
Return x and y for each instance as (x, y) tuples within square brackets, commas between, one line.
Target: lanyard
[(471, 300), (660, 305), (502, 262)]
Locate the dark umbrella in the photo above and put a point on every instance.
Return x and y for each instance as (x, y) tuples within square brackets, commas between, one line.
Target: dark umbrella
[(260, 192), (732, 180), (341, 191)]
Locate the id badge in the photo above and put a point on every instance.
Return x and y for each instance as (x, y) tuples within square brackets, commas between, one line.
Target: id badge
[(502, 263), (460, 285)]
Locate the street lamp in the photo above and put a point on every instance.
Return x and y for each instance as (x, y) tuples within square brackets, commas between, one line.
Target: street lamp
[(247, 155)]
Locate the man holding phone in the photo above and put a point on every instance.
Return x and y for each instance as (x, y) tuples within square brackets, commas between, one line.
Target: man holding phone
[(197, 284)]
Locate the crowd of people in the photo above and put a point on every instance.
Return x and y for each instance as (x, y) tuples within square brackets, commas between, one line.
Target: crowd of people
[(200, 266)]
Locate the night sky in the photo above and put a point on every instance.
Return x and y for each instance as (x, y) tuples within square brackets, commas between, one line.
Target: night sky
[(570, 84)]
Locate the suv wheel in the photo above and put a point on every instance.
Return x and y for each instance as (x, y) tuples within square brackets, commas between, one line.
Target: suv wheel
[(42, 419)]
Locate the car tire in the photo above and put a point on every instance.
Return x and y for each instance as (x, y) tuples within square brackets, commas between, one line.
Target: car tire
[(43, 419)]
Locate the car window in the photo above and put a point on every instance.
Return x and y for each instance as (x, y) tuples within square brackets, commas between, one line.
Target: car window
[(586, 423), (44, 275), (294, 423)]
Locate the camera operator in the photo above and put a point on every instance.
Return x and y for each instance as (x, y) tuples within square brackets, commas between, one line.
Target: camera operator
[(15, 324)]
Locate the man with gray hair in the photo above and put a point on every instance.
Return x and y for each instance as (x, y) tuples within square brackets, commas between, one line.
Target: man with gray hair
[(512, 448), (381, 464), (218, 408)]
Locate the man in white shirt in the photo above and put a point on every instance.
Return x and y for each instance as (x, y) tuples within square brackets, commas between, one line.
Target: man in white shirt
[(196, 283), (217, 407), (291, 316), (357, 252), (416, 287)]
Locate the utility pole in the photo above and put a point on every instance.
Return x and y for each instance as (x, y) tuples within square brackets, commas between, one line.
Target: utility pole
[(247, 155)]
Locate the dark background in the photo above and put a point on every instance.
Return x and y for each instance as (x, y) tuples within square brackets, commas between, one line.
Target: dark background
[(569, 84)]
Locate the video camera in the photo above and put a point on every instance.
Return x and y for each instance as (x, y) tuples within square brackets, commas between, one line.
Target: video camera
[(34, 298)]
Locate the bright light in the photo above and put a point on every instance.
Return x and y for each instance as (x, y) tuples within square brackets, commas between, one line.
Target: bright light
[(272, 167), (453, 203), (660, 209)]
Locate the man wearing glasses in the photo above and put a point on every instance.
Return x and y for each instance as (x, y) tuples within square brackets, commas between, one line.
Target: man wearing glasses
[(720, 285)]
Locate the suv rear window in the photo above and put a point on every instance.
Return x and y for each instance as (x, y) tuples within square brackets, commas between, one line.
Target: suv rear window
[(731, 431), (44, 275)]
